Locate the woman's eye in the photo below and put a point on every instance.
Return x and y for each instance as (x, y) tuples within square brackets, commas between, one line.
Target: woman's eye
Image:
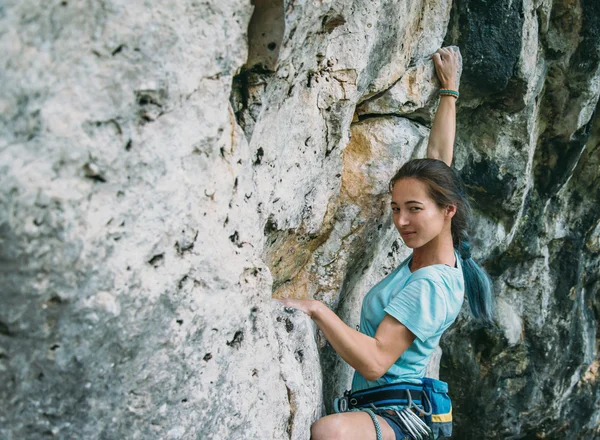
[(414, 208)]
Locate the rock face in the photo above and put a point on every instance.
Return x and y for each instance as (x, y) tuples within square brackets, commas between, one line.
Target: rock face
[(166, 170)]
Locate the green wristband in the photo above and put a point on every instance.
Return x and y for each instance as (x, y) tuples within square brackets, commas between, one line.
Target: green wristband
[(449, 92)]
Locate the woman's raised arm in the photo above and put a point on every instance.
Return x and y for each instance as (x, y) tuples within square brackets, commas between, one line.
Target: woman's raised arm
[(443, 129)]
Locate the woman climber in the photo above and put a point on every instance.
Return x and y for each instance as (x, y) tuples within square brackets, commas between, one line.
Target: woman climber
[(405, 314)]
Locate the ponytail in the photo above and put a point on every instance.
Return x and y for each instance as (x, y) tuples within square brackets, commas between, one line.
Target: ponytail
[(478, 287)]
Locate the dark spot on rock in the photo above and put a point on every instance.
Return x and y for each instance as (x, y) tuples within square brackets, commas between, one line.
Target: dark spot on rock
[(235, 183), (488, 185), (146, 118), (4, 329), (41, 376), (54, 300), (395, 247), (128, 145), (259, 156), (185, 243), (156, 260), (179, 321), (271, 46), (309, 77), (183, 400), (270, 226), (182, 281), (92, 171), (253, 313), (289, 325), (64, 3), (146, 99), (54, 347), (299, 355), (555, 158), (117, 50), (207, 357), (331, 22), (151, 103), (236, 342), (254, 372), (235, 239)]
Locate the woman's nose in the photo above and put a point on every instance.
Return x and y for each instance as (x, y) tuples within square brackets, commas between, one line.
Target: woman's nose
[(403, 220)]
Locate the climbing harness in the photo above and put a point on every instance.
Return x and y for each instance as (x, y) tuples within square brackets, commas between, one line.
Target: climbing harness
[(429, 400)]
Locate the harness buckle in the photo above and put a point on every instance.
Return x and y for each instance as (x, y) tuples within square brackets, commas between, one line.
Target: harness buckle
[(343, 404), (340, 404)]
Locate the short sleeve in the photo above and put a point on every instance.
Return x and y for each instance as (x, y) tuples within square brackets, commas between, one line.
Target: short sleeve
[(420, 306)]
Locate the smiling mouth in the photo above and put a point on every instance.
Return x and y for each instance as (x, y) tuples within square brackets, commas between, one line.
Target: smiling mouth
[(407, 234)]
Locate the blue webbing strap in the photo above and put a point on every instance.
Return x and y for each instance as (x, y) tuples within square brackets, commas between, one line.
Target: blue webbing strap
[(375, 422)]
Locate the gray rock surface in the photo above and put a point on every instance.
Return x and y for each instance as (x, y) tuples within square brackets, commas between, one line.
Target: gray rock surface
[(165, 170)]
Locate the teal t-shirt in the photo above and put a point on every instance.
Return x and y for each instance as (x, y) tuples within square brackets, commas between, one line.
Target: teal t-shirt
[(426, 301)]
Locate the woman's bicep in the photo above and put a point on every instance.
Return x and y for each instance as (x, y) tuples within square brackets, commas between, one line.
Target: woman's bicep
[(392, 339)]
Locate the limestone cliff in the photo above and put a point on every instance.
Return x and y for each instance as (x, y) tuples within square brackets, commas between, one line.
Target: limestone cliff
[(166, 169)]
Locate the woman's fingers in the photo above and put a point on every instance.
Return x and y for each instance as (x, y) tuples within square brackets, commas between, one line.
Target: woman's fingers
[(304, 305), (445, 60)]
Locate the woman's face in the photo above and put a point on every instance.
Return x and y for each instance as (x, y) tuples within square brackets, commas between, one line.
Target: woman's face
[(416, 216)]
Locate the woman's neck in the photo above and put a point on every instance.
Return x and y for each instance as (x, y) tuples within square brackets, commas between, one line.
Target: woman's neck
[(440, 250)]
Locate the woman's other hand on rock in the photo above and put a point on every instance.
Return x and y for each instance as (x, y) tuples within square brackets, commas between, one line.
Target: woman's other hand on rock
[(307, 306), (446, 67)]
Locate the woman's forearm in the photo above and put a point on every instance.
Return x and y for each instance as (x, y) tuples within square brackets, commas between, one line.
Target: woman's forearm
[(443, 131), (357, 349)]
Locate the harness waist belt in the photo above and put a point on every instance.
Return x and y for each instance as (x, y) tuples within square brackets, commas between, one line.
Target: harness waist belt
[(386, 395)]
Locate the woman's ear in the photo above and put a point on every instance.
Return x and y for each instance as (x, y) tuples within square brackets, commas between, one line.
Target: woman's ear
[(450, 211)]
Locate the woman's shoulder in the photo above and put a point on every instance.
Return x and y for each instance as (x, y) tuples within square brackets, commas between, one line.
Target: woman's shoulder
[(442, 274)]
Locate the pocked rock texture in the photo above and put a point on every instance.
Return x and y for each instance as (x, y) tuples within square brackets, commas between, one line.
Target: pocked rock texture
[(165, 170)]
